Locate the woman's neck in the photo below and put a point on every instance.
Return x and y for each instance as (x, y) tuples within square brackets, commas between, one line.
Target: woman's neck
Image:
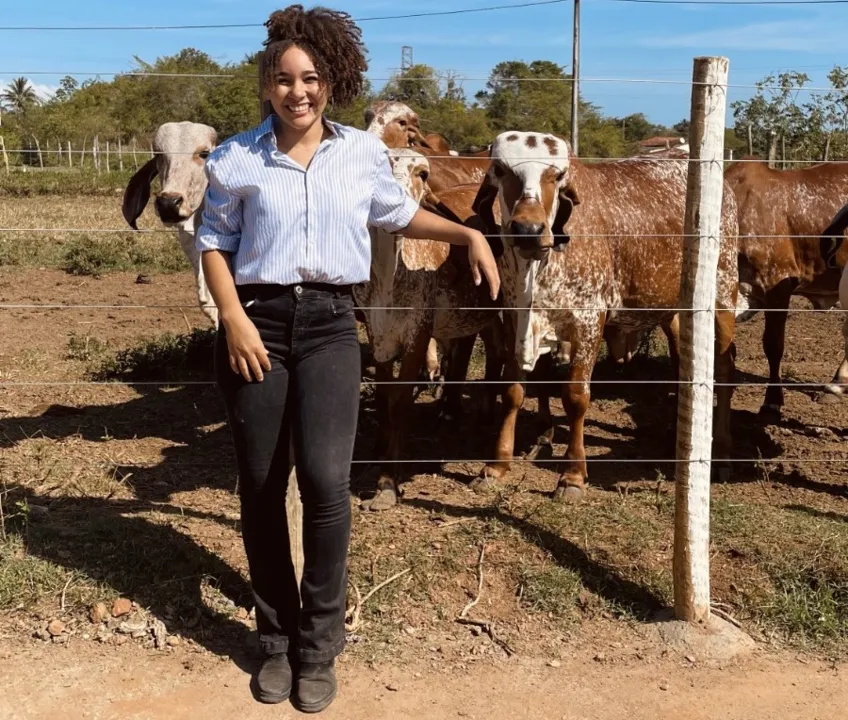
[(288, 139)]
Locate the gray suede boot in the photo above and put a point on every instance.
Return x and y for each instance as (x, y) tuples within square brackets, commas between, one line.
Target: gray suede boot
[(316, 686)]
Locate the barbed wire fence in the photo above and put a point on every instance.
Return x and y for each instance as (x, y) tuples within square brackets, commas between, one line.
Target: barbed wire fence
[(696, 382)]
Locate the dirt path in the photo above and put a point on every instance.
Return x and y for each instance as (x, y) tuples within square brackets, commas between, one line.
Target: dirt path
[(85, 682)]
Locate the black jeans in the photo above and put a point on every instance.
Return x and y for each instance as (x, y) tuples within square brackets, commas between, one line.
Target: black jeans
[(312, 391)]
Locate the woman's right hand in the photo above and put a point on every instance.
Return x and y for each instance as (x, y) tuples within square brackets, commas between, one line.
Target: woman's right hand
[(247, 352)]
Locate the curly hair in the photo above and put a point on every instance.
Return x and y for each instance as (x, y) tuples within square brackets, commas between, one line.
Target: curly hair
[(330, 38)]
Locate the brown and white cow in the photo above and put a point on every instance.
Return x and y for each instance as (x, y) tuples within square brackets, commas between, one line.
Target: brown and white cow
[(423, 279), (396, 124), (781, 216), (181, 149), (606, 241)]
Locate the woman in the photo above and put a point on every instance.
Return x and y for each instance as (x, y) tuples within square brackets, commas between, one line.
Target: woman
[(284, 237)]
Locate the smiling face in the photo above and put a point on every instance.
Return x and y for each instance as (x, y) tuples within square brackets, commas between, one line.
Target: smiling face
[(297, 93)]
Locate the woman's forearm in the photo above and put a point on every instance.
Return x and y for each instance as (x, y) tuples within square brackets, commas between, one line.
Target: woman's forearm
[(429, 226), (219, 279)]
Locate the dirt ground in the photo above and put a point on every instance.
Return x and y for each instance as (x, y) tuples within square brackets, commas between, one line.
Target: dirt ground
[(134, 491), (101, 684)]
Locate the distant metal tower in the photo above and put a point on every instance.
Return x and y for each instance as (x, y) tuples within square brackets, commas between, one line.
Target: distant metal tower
[(406, 57)]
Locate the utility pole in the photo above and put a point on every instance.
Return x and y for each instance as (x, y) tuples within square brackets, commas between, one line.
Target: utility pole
[(575, 77)]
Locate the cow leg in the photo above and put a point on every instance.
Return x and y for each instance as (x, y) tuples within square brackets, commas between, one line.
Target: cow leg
[(512, 400), (493, 339), (671, 329), (724, 374), (383, 373), (575, 399), (399, 402), (837, 386), (544, 373), (457, 372), (777, 302)]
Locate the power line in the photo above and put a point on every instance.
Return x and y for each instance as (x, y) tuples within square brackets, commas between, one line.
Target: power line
[(232, 26)]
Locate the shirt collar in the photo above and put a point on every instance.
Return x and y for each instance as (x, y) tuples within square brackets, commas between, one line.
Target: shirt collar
[(266, 129)]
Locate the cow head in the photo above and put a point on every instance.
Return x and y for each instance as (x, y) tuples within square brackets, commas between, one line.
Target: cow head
[(395, 124), (529, 174), (411, 170), (181, 149)]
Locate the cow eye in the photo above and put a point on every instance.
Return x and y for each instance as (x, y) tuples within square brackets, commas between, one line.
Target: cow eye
[(424, 175), (402, 123), (204, 154), (498, 170), (560, 176)]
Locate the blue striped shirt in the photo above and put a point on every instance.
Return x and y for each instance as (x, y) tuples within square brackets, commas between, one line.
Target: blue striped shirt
[(287, 225)]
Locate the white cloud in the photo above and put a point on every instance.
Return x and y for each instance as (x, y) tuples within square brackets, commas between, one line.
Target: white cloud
[(785, 35)]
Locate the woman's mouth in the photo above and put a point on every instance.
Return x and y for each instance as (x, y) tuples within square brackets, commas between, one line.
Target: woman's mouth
[(300, 109)]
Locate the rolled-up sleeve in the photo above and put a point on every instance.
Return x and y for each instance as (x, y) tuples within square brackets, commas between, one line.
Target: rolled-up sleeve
[(220, 227), (391, 208)]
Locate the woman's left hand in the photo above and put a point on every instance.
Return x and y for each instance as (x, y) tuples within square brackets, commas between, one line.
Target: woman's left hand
[(483, 262)]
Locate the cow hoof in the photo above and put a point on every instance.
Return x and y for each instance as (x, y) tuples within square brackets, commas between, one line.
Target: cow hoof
[(384, 500), (770, 412), (828, 398), (569, 494), (482, 484)]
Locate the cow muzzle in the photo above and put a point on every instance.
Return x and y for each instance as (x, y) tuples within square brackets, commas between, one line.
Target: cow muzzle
[(529, 239), (172, 207)]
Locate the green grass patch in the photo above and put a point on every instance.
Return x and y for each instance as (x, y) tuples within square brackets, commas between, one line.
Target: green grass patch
[(95, 256), (551, 589), (61, 181), (165, 358)]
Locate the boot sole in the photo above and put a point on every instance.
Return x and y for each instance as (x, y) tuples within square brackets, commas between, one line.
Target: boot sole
[(314, 707)]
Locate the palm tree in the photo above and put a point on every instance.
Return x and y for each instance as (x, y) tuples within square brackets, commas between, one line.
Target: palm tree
[(19, 95)]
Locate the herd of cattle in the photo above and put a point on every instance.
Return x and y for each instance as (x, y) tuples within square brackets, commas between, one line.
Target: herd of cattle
[(587, 253)]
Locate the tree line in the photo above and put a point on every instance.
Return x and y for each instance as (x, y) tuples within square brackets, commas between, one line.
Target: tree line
[(518, 95)]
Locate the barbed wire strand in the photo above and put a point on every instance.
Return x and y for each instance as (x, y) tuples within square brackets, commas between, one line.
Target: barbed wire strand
[(199, 306), (253, 78), (171, 230), (412, 383), (466, 157)]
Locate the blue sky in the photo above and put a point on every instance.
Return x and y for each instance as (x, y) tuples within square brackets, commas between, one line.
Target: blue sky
[(617, 41)]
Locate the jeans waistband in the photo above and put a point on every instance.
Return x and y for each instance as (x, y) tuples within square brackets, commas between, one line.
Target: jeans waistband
[(266, 291)]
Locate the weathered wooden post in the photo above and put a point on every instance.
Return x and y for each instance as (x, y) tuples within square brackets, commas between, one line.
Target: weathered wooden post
[(70, 155), (294, 509), (5, 156), (120, 155), (702, 236), (108, 164)]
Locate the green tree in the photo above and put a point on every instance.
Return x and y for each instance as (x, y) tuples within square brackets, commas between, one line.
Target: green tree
[(19, 96), (417, 86), (67, 87)]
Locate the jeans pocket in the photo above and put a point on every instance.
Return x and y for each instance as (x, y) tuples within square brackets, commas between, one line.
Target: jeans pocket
[(341, 306)]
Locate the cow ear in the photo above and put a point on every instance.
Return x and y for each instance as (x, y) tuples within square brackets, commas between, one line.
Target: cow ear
[(832, 237), (483, 206), (416, 137), (137, 193), (568, 198)]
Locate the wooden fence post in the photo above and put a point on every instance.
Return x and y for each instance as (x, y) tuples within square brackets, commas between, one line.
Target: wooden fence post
[(120, 155), (82, 152), (38, 150), (70, 155), (294, 509), (702, 237), (108, 166), (95, 153), (5, 156)]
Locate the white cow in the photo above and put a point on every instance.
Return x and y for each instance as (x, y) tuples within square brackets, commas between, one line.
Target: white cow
[(181, 149)]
